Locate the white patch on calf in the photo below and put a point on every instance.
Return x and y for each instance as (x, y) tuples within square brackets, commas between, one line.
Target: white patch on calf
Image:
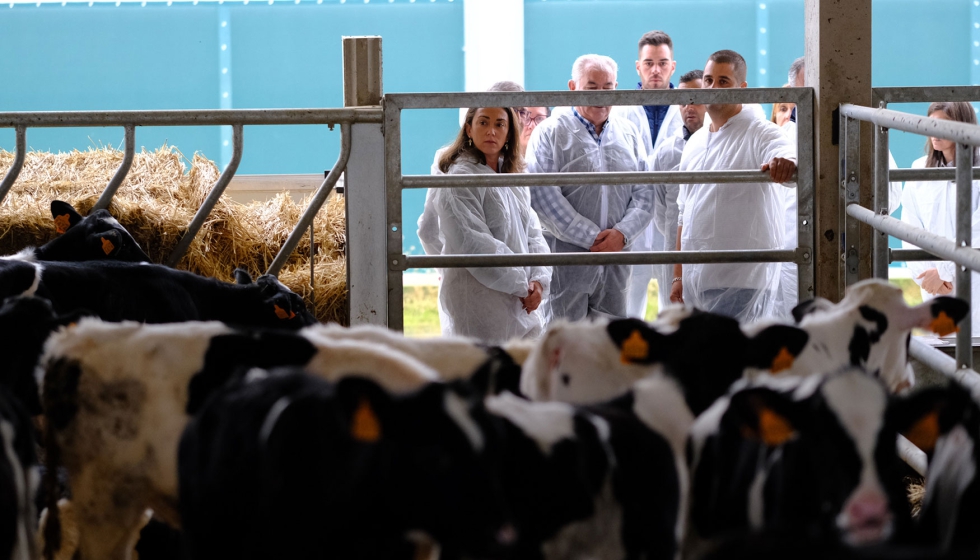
[(395, 371), (705, 426), (458, 410), (859, 403), (951, 471), (22, 549), (545, 423), (659, 403), (579, 363), (269, 423)]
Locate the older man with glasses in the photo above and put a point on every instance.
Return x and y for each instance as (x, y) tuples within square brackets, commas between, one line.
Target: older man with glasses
[(531, 117)]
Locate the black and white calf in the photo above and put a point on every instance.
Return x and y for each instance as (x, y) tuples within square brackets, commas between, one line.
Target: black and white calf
[(589, 362), (18, 480), (601, 481), (118, 395), (97, 236), (813, 458), (945, 423), (292, 467), (149, 293), (870, 329)]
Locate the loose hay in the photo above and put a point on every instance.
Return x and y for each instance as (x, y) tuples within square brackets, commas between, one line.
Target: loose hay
[(916, 490), (157, 201)]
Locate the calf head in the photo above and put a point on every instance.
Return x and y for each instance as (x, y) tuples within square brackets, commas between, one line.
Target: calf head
[(97, 236), (870, 328), (442, 484), (25, 324), (707, 352), (945, 423), (278, 305), (810, 457)]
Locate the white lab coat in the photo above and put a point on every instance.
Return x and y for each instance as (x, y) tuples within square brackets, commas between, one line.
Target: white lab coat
[(931, 205), (429, 233), (733, 216), (652, 238), (483, 302), (574, 215)]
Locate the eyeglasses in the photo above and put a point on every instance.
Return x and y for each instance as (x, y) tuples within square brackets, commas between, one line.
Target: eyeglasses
[(526, 119)]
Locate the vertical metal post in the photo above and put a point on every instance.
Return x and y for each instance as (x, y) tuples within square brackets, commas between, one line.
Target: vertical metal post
[(364, 188), (393, 196), (362, 71), (804, 196), (14, 171), (964, 238), (106, 198), (850, 133), (879, 239)]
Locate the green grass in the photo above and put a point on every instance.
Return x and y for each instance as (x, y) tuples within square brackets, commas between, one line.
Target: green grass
[(422, 305)]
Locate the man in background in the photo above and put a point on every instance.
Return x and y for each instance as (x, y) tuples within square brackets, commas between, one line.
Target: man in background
[(655, 65), (589, 218), (667, 157), (732, 216)]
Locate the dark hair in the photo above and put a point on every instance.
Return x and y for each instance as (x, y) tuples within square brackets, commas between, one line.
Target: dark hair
[(513, 158), (733, 58), (656, 38), (691, 76), (956, 111)]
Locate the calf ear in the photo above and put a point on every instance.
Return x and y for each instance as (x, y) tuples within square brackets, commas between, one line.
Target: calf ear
[(365, 407), (810, 306), (497, 374), (944, 314), (242, 276), (763, 415), (926, 415), (106, 242), (637, 342), (65, 216), (775, 348)]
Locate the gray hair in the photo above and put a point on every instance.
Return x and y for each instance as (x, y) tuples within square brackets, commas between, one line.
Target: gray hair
[(588, 62), (505, 85), (795, 69)]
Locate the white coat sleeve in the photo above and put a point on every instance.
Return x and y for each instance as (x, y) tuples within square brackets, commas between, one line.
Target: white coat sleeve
[(554, 210), (429, 226), (894, 188), (639, 213), (912, 216), (537, 244), (463, 222)]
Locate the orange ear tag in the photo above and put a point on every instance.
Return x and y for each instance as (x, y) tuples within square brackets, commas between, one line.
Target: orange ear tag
[(61, 223), (943, 325), (282, 314), (366, 427), (774, 429), (634, 348), (925, 432), (107, 246), (782, 361)]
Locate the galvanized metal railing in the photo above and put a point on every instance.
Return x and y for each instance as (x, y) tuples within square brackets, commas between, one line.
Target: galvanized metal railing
[(932, 246), (238, 119), (395, 182)]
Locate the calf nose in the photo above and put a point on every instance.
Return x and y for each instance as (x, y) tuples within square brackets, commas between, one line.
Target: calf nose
[(867, 508), (507, 535)]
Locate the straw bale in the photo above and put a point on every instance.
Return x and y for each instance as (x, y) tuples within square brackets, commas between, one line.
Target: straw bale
[(157, 201)]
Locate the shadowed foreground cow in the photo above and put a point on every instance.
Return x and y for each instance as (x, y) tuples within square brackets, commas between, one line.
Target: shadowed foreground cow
[(149, 293), (292, 467)]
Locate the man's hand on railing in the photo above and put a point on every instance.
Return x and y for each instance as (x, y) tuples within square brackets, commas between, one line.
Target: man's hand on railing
[(780, 170), (608, 241), (533, 298)]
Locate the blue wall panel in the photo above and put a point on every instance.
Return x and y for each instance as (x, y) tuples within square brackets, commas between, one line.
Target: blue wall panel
[(81, 57)]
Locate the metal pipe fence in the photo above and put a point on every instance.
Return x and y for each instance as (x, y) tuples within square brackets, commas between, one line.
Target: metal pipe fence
[(395, 182), (129, 120)]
